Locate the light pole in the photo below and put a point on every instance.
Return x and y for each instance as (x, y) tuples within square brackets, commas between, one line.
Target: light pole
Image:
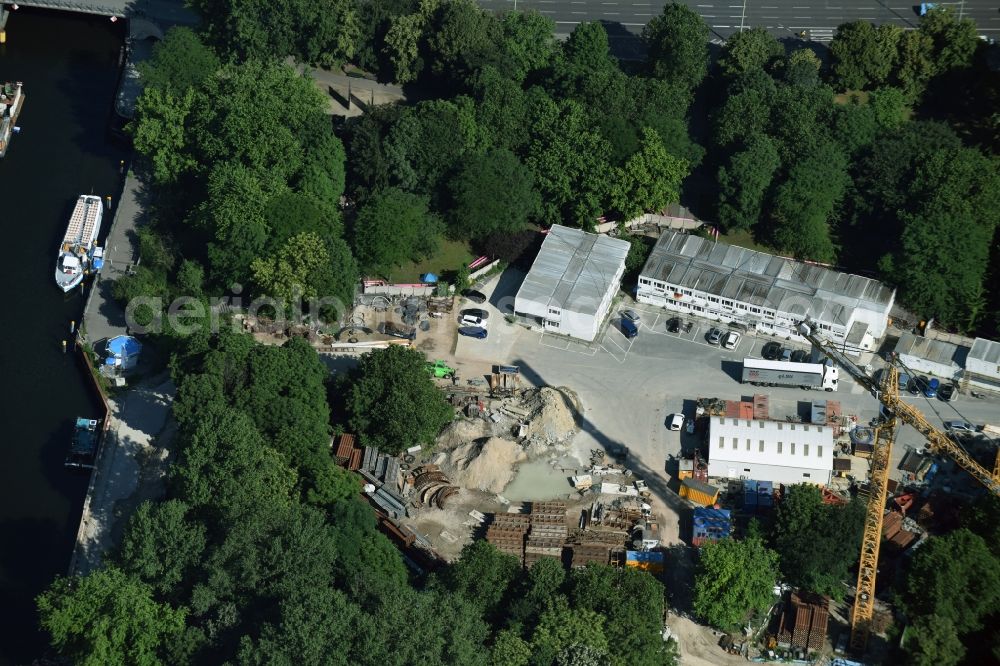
[(961, 10), (744, 14)]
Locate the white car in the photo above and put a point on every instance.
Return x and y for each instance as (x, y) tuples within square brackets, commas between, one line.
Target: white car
[(731, 339), (676, 421), (959, 426), (472, 320)]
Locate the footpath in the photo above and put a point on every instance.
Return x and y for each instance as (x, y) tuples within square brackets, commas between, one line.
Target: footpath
[(132, 461)]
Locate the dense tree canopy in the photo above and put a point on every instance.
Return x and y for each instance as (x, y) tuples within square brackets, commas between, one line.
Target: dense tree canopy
[(735, 579)]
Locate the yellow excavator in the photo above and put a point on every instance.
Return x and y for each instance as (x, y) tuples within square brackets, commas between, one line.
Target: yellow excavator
[(887, 392)]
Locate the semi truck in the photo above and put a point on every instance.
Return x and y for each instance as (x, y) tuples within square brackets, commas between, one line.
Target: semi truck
[(759, 372)]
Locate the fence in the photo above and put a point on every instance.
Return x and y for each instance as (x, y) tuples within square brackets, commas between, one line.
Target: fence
[(669, 222)]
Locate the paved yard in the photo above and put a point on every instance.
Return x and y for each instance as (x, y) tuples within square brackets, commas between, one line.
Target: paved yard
[(630, 387)]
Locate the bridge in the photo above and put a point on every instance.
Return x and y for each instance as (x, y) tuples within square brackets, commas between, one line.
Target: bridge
[(161, 11)]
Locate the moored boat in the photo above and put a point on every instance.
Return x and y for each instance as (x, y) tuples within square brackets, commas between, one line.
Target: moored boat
[(83, 447), (77, 251), (11, 101)]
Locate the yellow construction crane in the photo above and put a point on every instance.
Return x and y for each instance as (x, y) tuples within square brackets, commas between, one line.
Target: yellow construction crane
[(938, 442)]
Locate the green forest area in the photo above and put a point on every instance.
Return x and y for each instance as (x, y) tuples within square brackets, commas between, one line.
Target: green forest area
[(880, 160)]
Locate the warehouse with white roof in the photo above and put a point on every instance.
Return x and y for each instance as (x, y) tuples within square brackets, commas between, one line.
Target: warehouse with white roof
[(770, 450), (572, 282), (764, 292), (982, 365)]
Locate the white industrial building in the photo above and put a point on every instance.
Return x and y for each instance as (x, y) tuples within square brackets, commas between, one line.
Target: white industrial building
[(763, 292), (572, 282), (937, 358), (770, 450), (982, 365)]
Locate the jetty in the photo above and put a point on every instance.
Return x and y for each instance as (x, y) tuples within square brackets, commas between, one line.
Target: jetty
[(11, 102)]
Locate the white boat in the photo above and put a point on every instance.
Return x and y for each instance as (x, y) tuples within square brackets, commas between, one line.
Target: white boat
[(76, 252)]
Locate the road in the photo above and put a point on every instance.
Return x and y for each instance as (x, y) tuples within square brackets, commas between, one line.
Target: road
[(784, 18)]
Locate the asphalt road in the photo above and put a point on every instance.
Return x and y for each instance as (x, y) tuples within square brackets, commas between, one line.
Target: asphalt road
[(784, 18)]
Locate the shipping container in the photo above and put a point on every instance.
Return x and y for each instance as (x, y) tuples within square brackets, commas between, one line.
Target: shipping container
[(699, 492), (644, 560), (750, 494)]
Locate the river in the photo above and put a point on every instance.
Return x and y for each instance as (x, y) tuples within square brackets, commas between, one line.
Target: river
[(69, 66)]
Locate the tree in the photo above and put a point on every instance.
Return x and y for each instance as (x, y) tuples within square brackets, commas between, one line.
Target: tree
[(527, 43), (181, 61), (954, 40), (463, 37), (863, 54), (493, 193), (650, 180), (324, 32), (393, 227), (159, 132), (750, 50), (509, 649), (914, 63), (106, 618), (818, 542), (561, 627), (932, 641), (745, 181), (587, 47), (956, 578), (483, 574), (677, 41), (746, 111), (804, 204), (161, 546), (735, 579), (427, 141), (801, 68), (300, 264), (393, 404)]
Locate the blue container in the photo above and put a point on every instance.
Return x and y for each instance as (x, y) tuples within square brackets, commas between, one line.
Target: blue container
[(750, 494)]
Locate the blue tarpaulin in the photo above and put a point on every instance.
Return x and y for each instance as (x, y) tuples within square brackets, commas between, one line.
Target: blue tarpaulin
[(123, 350)]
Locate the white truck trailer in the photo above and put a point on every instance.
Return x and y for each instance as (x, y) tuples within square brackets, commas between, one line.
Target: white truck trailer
[(759, 372)]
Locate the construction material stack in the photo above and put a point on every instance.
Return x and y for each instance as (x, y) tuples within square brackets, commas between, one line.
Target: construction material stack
[(507, 532), (548, 532)]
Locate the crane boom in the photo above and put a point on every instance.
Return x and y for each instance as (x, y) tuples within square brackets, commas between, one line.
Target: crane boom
[(939, 442)]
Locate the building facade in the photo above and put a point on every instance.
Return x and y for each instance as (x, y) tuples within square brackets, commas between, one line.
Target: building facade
[(937, 358), (982, 365), (572, 282), (763, 292), (773, 451)]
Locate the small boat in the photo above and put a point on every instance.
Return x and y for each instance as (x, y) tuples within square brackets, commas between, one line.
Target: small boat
[(11, 102), (83, 447), (78, 253)]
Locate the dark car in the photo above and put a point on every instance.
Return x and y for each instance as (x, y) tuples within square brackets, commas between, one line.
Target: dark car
[(947, 392), (474, 332), (770, 351), (913, 386), (474, 296), (476, 312), (800, 356), (674, 324), (629, 328)]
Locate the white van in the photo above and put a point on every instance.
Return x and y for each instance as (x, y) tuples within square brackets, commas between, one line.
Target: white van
[(471, 320), (676, 421)]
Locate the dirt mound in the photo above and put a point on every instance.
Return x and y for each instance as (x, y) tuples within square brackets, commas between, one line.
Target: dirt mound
[(555, 421), (487, 465), (461, 432)]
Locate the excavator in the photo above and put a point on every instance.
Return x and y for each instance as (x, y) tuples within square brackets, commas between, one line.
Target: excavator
[(895, 411)]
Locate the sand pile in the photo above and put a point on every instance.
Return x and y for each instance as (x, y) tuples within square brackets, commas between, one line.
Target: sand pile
[(461, 432), (554, 422), (486, 465)]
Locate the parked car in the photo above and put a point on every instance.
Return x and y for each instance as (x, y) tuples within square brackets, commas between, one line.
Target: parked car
[(676, 421), (629, 329), (472, 320), (926, 7), (786, 355), (913, 386), (959, 426), (903, 380), (689, 426), (800, 356), (946, 392), (714, 336), (922, 382), (731, 339), (476, 312), (631, 314), (932, 388), (770, 351), (474, 296), (674, 324), (474, 332)]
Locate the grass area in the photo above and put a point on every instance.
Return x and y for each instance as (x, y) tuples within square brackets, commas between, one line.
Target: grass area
[(451, 256), (846, 97), (745, 239)]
